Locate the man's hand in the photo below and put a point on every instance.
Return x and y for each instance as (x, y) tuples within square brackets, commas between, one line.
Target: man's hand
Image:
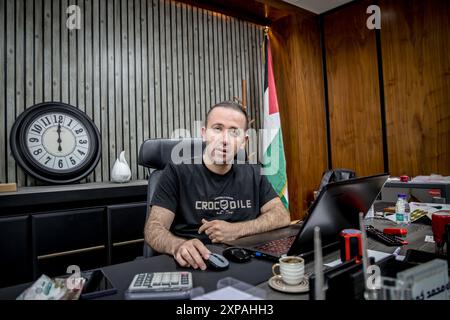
[(219, 230), (191, 254), (273, 215)]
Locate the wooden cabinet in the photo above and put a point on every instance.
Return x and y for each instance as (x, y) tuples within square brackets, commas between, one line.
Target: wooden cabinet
[(68, 236), (15, 257), (44, 232), (125, 231)]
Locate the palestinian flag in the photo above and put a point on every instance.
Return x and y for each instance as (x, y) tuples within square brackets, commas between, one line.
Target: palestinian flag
[(274, 162)]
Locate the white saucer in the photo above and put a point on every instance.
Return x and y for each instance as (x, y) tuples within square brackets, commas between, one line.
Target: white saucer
[(277, 283)]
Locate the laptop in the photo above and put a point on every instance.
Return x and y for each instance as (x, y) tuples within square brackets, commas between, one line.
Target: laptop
[(336, 208)]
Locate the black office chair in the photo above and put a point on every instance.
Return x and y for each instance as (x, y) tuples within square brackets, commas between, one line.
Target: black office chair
[(154, 154), (335, 175)]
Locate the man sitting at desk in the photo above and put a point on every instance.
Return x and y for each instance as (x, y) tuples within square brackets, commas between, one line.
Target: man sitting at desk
[(216, 200)]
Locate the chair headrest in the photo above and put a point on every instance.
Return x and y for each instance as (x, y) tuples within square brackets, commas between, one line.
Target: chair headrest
[(156, 153)]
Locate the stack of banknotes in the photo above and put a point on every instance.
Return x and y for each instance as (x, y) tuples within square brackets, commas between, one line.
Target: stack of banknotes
[(46, 288)]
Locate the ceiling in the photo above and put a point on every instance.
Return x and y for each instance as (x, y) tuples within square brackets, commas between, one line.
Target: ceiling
[(317, 6), (264, 12)]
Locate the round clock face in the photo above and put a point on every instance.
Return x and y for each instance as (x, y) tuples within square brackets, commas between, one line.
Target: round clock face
[(55, 142), (58, 141)]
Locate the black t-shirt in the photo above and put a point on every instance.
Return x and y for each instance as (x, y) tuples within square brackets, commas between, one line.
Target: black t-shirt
[(193, 193)]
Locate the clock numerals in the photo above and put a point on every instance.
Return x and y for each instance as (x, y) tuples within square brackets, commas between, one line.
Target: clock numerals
[(38, 152), (33, 141), (46, 121), (60, 164), (36, 129), (58, 141), (55, 142), (47, 160), (59, 119), (69, 122)]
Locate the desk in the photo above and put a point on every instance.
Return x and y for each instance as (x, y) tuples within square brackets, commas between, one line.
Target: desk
[(419, 190), (122, 274), (108, 219), (415, 238)]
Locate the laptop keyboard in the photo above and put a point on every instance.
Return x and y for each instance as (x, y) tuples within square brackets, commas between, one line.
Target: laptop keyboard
[(277, 247)]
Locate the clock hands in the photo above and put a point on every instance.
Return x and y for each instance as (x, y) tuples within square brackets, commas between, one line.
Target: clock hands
[(59, 137)]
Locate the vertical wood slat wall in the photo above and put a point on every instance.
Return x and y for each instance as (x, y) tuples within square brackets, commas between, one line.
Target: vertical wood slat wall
[(139, 68)]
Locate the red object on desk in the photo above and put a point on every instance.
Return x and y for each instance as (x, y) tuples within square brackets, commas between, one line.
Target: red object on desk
[(434, 192), (396, 231), (351, 245), (404, 178), (439, 220)]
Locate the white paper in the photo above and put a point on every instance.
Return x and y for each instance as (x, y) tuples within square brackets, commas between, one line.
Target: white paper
[(435, 178), (377, 255), (227, 293), (391, 217), (333, 263), (428, 207)]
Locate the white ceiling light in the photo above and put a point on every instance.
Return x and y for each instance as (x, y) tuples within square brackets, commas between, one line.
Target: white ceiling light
[(317, 6)]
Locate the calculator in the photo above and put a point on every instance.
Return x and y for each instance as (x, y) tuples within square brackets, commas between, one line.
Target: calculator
[(160, 285)]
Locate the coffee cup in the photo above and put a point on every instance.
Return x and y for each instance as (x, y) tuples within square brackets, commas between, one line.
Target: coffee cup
[(292, 269)]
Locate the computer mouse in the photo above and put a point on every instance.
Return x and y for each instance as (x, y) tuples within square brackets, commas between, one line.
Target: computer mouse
[(217, 262), (238, 255)]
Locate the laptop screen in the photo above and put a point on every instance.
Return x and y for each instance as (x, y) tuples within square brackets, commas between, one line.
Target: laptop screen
[(337, 208)]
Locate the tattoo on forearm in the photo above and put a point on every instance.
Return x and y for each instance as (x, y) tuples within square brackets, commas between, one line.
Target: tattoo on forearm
[(273, 216), (157, 233)]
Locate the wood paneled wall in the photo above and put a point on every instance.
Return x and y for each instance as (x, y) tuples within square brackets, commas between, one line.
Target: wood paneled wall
[(413, 51), (138, 68), (142, 68), (297, 65), (415, 37), (353, 91), (402, 126)]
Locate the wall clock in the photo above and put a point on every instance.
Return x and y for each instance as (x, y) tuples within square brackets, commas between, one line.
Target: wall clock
[(55, 142)]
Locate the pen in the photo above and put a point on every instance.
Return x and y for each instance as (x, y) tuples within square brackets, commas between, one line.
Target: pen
[(397, 251)]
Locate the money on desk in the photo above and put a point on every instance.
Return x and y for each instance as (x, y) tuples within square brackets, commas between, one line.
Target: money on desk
[(46, 288)]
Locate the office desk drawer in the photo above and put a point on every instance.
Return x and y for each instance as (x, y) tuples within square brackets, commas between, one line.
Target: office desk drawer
[(15, 260), (126, 231), (126, 222), (57, 265), (60, 232)]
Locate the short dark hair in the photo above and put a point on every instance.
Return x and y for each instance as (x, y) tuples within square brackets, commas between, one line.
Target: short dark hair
[(230, 105)]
